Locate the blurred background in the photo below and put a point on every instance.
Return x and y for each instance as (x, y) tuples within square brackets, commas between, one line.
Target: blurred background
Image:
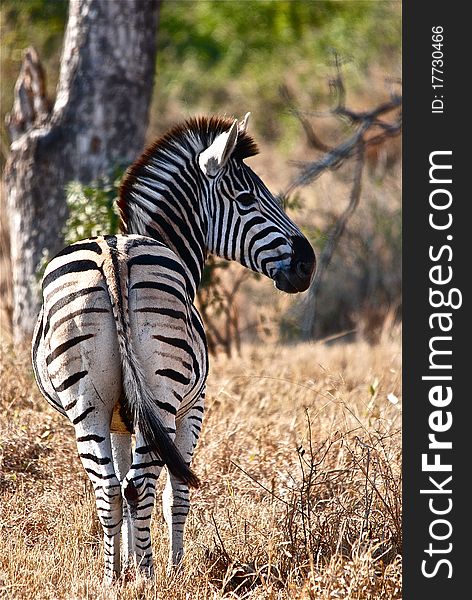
[(267, 57)]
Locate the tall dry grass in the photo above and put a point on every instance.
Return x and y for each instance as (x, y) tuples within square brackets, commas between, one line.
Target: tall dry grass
[(300, 464)]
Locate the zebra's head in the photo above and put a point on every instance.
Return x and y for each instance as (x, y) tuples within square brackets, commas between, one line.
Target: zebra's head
[(246, 222)]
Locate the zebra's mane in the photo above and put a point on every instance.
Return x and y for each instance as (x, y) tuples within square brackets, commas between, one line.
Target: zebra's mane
[(189, 137)]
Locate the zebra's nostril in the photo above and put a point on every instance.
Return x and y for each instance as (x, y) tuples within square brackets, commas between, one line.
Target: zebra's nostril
[(303, 269), (303, 259)]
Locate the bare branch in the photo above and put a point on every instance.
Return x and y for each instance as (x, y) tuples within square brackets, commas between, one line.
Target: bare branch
[(218, 305), (337, 84), (365, 122), (312, 137), (308, 325), (333, 159), (370, 115), (330, 161)]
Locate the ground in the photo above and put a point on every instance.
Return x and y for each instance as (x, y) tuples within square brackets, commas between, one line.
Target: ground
[(301, 483)]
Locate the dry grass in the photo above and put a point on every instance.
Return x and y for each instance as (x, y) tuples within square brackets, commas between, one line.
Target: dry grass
[(300, 463)]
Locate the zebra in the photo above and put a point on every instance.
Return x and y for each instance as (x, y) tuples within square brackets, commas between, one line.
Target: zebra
[(119, 347)]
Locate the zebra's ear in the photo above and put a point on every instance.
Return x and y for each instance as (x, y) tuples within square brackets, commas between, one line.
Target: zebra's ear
[(242, 127), (216, 155)]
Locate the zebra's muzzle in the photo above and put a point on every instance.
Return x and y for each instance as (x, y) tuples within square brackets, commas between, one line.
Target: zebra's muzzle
[(297, 277), (290, 283)]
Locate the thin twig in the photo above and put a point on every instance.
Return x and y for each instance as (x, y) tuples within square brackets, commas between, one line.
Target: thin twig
[(261, 485), (331, 244), (227, 556)]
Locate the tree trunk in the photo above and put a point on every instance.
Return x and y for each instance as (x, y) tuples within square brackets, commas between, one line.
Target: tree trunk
[(98, 121)]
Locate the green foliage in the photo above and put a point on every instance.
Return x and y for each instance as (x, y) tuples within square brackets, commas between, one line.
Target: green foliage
[(24, 23), (230, 55), (236, 35), (93, 209), (37, 22), (235, 54)]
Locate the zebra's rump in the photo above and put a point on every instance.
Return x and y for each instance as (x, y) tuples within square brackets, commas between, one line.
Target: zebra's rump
[(108, 296)]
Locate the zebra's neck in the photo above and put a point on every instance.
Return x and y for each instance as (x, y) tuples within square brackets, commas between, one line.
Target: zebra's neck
[(162, 196)]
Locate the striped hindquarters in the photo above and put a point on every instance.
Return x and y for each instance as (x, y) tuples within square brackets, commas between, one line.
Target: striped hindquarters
[(87, 342)]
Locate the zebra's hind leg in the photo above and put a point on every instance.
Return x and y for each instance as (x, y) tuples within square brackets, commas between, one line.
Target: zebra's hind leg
[(176, 505), (139, 494), (96, 456), (122, 457), (176, 496)]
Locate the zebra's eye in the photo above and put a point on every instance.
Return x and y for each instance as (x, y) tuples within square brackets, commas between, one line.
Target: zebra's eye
[(246, 199)]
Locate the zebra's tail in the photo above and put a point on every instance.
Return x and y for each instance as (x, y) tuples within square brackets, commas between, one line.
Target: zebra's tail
[(142, 407), (139, 401)]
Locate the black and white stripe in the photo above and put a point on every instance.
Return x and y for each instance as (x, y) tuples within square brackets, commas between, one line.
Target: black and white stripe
[(119, 347)]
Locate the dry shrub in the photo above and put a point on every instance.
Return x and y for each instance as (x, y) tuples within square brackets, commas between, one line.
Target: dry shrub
[(300, 464)]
